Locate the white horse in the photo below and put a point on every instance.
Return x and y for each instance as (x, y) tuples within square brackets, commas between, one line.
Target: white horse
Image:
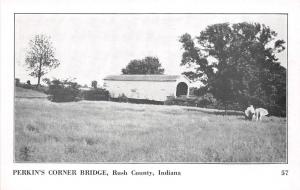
[(259, 113), (249, 112)]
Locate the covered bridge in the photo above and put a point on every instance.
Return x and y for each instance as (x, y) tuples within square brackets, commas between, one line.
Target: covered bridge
[(149, 87)]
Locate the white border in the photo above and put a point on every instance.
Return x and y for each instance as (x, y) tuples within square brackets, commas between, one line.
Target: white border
[(262, 176)]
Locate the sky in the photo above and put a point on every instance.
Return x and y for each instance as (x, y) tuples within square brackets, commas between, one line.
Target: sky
[(92, 46)]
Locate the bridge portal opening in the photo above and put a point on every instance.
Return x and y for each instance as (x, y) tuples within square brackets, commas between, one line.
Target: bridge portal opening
[(182, 89)]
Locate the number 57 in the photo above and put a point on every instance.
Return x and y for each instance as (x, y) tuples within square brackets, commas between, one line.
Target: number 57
[(284, 172)]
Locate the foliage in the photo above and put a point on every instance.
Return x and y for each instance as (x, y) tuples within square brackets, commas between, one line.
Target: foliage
[(201, 101), (148, 65), (96, 94), (207, 99), (17, 81), (64, 91), (198, 91), (47, 81), (237, 63), (122, 98), (144, 101), (94, 84), (40, 57)]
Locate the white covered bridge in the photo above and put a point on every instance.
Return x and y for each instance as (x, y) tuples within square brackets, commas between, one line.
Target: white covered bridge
[(149, 87)]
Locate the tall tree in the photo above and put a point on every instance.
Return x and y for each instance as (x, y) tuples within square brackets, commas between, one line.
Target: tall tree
[(148, 65), (94, 84), (40, 57), (237, 62)]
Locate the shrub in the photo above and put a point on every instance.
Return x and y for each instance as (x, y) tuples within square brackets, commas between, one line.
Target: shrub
[(205, 100), (122, 98), (182, 101), (277, 110), (64, 91), (17, 82), (170, 100), (144, 101), (47, 81), (198, 91), (94, 84), (96, 94), (202, 101)]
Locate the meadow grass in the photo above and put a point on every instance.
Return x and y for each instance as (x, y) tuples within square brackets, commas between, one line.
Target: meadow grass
[(101, 131), (28, 93)]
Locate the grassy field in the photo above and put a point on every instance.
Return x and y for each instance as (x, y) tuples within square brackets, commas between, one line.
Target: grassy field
[(88, 131)]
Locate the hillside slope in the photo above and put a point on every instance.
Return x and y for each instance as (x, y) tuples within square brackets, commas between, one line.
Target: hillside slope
[(28, 93)]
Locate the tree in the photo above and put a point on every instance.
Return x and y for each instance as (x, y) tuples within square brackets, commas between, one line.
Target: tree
[(148, 65), (64, 90), (94, 84), (40, 57), (47, 81), (236, 62)]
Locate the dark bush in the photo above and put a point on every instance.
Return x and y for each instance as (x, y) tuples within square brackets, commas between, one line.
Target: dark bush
[(17, 81), (122, 98), (170, 100), (205, 100), (96, 94), (202, 101), (94, 84), (198, 91), (47, 81), (64, 91), (144, 101), (277, 110), (182, 101), (63, 95)]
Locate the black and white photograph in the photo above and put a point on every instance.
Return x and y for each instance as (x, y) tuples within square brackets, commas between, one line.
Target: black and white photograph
[(150, 88), (139, 94)]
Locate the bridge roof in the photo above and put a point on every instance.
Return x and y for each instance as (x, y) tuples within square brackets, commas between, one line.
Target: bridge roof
[(143, 77)]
